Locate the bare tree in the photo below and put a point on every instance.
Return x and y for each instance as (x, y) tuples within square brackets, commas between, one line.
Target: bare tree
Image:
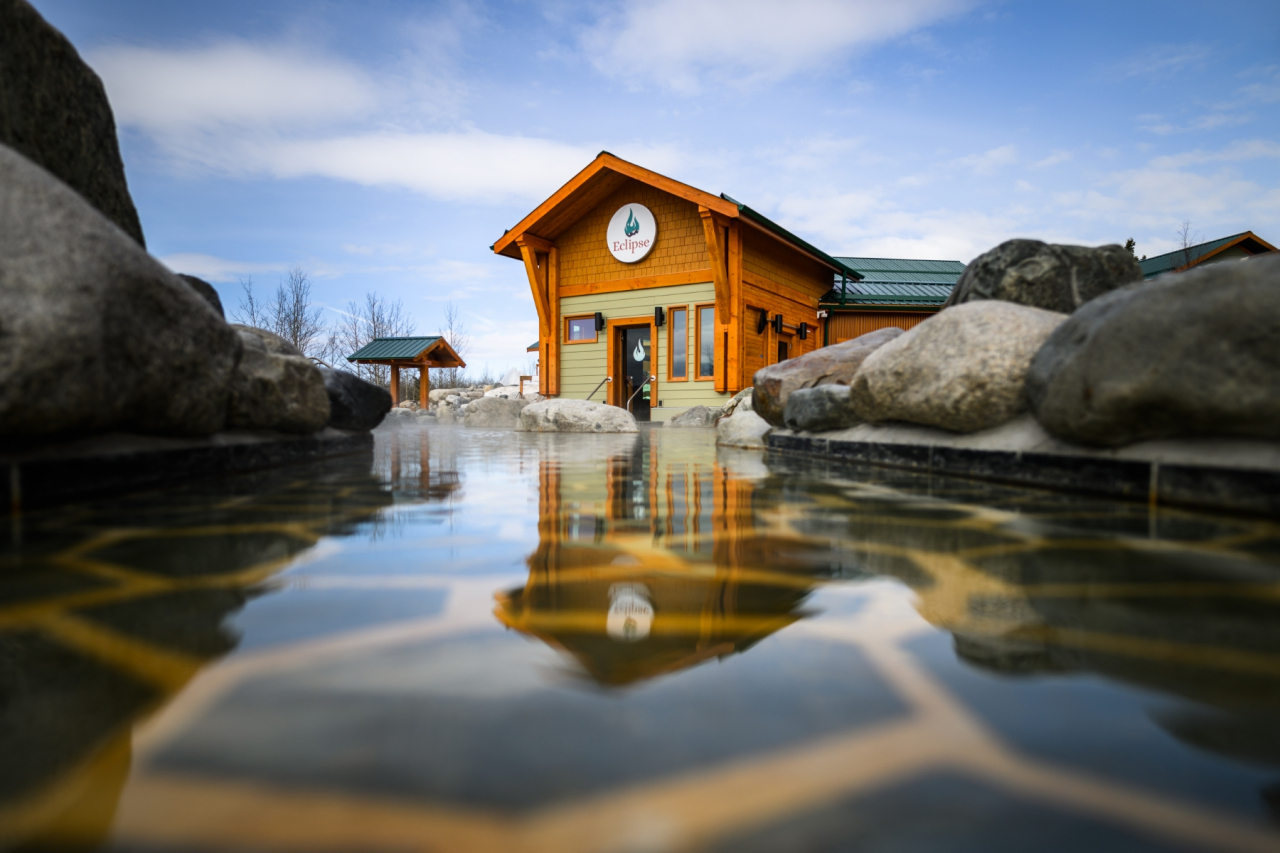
[(294, 318), (1187, 241), (360, 324), (250, 312), (454, 331)]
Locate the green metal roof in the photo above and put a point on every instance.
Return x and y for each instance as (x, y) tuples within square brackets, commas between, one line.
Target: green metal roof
[(896, 281), (768, 223), (380, 348), (1153, 267), (533, 347)]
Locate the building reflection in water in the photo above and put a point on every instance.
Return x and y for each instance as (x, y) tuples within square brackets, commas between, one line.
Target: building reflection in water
[(658, 565)]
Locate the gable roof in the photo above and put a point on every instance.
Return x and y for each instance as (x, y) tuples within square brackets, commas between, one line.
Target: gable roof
[(1177, 259), (607, 173), (408, 349), (897, 281)]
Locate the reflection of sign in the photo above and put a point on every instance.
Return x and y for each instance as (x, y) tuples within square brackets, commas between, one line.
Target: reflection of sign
[(631, 233), (638, 355), (630, 613)]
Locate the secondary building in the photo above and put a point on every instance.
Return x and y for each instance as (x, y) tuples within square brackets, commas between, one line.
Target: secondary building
[(891, 292), (1237, 247), (657, 296)]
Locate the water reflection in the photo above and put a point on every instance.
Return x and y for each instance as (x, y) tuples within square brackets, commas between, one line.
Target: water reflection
[(692, 650)]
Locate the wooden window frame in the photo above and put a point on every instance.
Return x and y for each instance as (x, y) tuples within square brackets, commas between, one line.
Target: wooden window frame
[(595, 339), (671, 337), (697, 313)]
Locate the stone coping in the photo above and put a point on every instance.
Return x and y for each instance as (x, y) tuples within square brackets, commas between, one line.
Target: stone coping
[(122, 462), (1239, 475)]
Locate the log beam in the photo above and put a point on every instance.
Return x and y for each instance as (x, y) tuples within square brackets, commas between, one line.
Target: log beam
[(424, 387), (395, 386)]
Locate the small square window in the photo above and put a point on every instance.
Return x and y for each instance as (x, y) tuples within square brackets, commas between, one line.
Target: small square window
[(580, 329)]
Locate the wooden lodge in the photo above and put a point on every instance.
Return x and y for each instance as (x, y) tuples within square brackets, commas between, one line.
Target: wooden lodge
[(419, 353), (657, 296)]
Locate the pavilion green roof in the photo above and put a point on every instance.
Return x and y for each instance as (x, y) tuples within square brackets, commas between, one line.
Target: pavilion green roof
[(896, 281), (380, 348)]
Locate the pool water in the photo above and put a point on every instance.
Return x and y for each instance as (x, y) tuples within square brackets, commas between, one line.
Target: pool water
[(486, 640)]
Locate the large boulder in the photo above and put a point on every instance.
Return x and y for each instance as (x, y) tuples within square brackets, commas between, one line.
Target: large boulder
[(962, 369), (1191, 353), (275, 387), (95, 334), (354, 404), (697, 416), (833, 365), (493, 413), (575, 416), (1043, 275), (742, 429), (744, 400), (54, 111), (819, 409), (206, 291)]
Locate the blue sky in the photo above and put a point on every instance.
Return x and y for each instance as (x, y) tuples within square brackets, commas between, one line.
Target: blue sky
[(385, 145)]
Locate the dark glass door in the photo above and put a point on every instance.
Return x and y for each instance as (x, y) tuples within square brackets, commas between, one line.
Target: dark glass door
[(636, 355)]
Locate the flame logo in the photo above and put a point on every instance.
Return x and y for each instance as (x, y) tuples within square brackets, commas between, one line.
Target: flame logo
[(638, 355), (633, 226)]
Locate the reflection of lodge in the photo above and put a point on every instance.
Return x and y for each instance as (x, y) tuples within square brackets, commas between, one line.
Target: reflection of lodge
[(654, 571)]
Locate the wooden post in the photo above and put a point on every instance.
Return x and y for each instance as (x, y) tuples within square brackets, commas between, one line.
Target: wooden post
[(424, 387), (395, 386)]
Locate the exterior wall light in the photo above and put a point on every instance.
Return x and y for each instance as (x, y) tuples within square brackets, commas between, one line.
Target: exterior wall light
[(764, 321), (777, 323), (601, 325), (659, 317), (803, 331)]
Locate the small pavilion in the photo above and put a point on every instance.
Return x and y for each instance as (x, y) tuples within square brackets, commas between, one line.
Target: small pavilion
[(420, 353)]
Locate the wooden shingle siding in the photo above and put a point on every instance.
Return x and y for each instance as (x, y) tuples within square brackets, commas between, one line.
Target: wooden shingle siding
[(766, 257), (680, 246)]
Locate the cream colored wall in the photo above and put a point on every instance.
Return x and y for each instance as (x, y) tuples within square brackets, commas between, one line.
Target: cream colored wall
[(1235, 253), (582, 366)]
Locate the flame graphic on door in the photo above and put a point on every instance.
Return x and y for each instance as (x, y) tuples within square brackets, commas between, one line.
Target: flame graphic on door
[(638, 355), (633, 226)]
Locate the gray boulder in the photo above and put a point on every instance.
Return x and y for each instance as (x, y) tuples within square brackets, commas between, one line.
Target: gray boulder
[(354, 404), (493, 413), (95, 334), (1044, 275), (204, 288), (275, 387), (54, 111), (962, 369), (825, 407), (575, 416), (825, 366), (743, 429), (1191, 353), (744, 400), (698, 416)]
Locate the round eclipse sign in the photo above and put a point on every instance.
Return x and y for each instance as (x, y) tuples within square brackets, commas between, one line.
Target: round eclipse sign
[(632, 232)]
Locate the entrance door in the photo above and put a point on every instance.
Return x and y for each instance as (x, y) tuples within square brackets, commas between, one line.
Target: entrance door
[(637, 367), (784, 347)]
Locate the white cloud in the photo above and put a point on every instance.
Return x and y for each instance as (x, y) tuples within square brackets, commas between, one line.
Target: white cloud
[(230, 83), (1164, 60), (1241, 149), (254, 110), (1055, 157), (217, 269), (991, 161), (676, 43)]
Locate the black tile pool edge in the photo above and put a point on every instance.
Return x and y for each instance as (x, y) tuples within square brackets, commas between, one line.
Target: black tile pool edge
[(1200, 486), (50, 480)]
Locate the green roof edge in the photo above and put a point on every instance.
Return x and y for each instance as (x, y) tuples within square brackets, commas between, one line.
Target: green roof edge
[(787, 235)]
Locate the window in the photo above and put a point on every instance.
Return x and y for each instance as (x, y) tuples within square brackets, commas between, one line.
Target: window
[(580, 330), (678, 343), (706, 341)]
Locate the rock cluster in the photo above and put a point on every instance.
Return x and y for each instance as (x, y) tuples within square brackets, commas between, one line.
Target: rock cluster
[(575, 416), (743, 428), (697, 416), (835, 364), (493, 413), (1188, 354), (96, 335)]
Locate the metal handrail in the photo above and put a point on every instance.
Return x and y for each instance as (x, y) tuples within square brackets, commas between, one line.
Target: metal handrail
[(652, 378), (597, 388)]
